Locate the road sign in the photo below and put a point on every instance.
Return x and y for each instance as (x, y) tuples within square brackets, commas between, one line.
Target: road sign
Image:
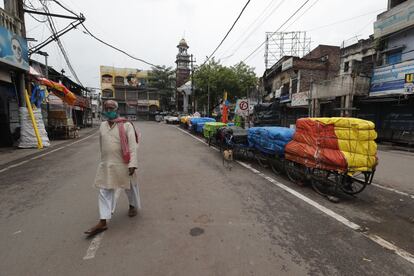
[(244, 105)]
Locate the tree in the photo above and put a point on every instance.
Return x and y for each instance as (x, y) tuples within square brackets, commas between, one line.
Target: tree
[(162, 77), (236, 80)]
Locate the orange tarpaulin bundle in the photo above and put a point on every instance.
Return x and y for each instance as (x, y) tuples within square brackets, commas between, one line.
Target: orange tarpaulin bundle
[(61, 91), (340, 144)]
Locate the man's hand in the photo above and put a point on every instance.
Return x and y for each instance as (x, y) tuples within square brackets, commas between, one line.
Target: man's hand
[(131, 171)]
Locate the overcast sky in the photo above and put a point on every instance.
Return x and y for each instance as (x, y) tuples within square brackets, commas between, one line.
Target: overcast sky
[(151, 29)]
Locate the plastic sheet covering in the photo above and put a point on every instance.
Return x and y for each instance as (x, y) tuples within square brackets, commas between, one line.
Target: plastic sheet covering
[(27, 135), (270, 140), (194, 121), (237, 134), (341, 144), (184, 119), (200, 127), (211, 128)]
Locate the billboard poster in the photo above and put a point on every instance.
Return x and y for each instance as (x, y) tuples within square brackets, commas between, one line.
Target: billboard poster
[(13, 50), (391, 79)]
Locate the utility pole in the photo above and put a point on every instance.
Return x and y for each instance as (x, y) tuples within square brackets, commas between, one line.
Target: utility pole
[(310, 101), (192, 82), (208, 98), (248, 107)]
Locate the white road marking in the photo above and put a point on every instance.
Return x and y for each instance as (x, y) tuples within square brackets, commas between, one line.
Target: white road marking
[(311, 202), (378, 240), (94, 246), (17, 232), (44, 154), (392, 190), (386, 244)]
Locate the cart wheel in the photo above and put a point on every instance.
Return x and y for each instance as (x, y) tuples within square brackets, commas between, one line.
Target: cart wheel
[(295, 173), (326, 183), (276, 166), (351, 187), (262, 160)]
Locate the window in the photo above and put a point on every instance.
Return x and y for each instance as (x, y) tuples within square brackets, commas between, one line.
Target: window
[(285, 90), (106, 79), (294, 86), (119, 80), (153, 96), (394, 57), (394, 3), (132, 95), (120, 94), (346, 66), (142, 95), (107, 93)]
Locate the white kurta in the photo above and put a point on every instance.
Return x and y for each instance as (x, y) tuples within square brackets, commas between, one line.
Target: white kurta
[(112, 171)]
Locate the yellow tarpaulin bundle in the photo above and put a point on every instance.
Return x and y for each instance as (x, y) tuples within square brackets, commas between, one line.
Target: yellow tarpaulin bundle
[(185, 119), (356, 141)]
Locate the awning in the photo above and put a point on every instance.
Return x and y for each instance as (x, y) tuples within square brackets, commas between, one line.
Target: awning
[(64, 93)]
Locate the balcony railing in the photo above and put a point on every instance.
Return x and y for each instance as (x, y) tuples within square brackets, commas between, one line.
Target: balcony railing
[(11, 23)]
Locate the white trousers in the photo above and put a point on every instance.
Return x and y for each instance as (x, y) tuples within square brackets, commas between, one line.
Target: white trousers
[(107, 200)]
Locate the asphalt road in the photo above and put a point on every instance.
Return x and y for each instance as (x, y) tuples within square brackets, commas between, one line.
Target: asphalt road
[(198, 218)]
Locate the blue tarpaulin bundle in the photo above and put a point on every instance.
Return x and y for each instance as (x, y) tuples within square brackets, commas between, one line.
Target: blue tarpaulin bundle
[(200, 126), (270, 140), (195, 121)]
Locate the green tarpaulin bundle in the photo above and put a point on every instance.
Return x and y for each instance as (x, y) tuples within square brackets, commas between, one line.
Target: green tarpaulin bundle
[(211, 128)]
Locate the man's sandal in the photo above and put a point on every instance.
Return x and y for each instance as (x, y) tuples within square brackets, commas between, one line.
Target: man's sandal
[(132, 212), (95, 230)]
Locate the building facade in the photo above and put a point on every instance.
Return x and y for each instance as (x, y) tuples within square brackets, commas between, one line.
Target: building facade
[(129, 87), (14, 64), (337, 96), (289, 82), (391, 95)]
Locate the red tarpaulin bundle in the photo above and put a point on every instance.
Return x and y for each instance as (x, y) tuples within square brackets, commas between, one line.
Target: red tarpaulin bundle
[(340, 144)]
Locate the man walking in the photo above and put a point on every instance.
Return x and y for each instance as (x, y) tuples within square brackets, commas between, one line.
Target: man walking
[(118, 145)]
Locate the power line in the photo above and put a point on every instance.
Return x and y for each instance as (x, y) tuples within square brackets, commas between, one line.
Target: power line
[(255, 50), (60, 44), (116, 48), (344, 20), (250, 26), (67, 9), (310, 7), (103, 42), (261, 23), (228, 32)]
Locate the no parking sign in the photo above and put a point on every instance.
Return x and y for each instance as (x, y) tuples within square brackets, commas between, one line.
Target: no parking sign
[(242, 107)]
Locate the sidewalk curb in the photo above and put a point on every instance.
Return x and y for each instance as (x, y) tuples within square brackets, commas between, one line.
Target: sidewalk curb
[(47, 150)]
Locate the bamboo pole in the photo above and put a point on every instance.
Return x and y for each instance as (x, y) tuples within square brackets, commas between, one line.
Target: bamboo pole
[(30, 110)]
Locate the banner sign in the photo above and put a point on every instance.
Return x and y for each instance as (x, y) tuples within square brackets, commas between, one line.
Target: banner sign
[(409, 83), (391, 79), (394, 20), (13, 50), (300, 99), (287, 64)]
